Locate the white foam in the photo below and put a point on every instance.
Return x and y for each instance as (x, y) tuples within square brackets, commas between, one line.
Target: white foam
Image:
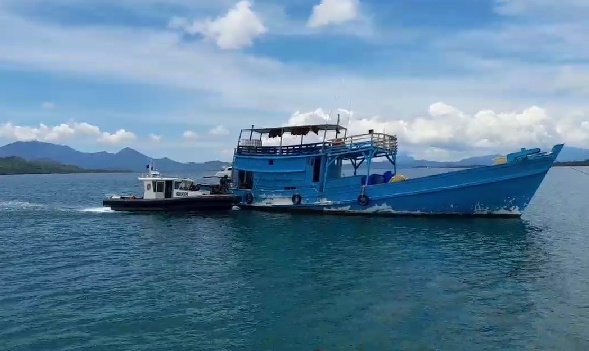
[(18, 205), (98, 210)]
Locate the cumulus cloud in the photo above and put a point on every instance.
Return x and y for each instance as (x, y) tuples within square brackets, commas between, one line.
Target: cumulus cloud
[(190, 135), (118, 137), (236, 29), (333, 12), (219, 130), (43, 132), (63, 132), (445, 130)]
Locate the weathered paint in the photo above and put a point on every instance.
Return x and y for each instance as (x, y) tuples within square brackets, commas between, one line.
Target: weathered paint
[(499, 190)]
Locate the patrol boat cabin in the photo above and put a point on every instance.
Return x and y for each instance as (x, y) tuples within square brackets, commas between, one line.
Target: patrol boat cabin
[(173, 193), (277, 169)]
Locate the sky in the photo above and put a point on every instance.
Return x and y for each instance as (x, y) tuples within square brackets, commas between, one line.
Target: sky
[(180, 78)]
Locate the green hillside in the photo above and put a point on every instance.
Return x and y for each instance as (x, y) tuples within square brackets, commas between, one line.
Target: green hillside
[(17, 165)]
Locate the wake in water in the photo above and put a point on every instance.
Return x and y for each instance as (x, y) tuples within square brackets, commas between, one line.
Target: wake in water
[(16, 206), (98, 210)]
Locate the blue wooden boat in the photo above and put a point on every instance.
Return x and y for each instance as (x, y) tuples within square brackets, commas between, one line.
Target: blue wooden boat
[(308, 177)]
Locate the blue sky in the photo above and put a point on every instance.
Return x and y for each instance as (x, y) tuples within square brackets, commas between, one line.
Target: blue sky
[(180, 78)]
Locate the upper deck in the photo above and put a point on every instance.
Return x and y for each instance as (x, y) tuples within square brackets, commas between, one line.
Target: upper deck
[(346, 147)]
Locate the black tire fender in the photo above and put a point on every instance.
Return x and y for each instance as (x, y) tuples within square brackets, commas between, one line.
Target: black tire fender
[(249, 198), (363, 200)]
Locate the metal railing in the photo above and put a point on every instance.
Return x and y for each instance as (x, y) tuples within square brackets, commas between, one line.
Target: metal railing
[(384, 142), (286, 150)]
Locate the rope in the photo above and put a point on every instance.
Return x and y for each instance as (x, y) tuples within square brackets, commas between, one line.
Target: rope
[(578, 170)]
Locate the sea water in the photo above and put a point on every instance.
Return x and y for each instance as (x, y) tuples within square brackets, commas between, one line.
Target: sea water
[(77, 276)]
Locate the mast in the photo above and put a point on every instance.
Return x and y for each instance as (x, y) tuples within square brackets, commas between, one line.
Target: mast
[(349, 119), (281, 137), (326, 123)]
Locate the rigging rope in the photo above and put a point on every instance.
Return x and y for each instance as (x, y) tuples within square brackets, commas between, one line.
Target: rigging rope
[(578, 170)]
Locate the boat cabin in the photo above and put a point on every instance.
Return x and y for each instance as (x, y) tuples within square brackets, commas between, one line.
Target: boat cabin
[(155, 186), (289, 164)]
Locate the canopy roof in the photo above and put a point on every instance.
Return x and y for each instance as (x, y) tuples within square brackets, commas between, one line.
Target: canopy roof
[(297, 130)]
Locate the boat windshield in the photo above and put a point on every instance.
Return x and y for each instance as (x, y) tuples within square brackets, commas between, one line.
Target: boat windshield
[(187, 184)]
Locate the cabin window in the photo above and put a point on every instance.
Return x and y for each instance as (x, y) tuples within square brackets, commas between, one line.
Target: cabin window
[(153, 186), (159, 187), (177, 185), (316, 169)]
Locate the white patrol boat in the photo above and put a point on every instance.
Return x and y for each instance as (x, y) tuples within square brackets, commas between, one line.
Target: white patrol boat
[(226, 171), (174, 194)]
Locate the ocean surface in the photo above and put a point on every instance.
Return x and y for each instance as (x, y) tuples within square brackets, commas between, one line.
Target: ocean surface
[(75, 276)]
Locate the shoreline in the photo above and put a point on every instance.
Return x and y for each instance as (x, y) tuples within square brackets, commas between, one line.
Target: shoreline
[(45, 173)]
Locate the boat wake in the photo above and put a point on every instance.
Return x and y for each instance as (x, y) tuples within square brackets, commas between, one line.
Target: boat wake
[(97, 210), (16, 205)]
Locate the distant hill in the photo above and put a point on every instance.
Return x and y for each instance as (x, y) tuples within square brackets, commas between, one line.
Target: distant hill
[(16, 165), (568, 154), (126, 159), (130, 159)]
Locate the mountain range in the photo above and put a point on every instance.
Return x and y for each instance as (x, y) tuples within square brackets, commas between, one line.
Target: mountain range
[(130, 159), (126, 159)]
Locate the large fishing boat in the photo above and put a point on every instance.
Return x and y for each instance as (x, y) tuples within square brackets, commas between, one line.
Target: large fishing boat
[(308, 177), (174, 194)]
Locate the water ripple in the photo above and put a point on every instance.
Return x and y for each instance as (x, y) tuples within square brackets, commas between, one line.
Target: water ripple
[(76, 277)]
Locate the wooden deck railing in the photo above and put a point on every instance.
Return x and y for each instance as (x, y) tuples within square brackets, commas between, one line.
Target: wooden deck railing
[(384, 142)]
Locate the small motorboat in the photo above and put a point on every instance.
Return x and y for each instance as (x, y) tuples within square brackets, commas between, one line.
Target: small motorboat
[(174, 194), (226, 171)]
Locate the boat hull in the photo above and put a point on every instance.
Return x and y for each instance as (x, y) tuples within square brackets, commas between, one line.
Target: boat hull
[(491, 191), (187, 204)]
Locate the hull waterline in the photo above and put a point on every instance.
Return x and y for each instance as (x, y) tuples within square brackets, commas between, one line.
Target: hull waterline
[(499, 191), (204, 203)]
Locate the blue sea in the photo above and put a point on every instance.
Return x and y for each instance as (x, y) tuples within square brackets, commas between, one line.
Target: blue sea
[(76, 276)]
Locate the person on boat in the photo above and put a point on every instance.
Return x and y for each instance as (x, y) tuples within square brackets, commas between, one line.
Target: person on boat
[(224, 183)]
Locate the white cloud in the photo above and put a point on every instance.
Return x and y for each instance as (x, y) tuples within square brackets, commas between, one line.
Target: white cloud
[(219, 130), (235, 80), (48, 105), (239, 81), (333, 12), (189, 135), (447, 133), (236, 29), (118, 137), (87, 129), (154, 137), (63, 133)]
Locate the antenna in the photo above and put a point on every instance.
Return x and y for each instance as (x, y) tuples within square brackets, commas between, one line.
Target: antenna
[(349, 114)]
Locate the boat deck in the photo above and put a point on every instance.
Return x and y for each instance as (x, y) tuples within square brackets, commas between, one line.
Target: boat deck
[(352, 147)]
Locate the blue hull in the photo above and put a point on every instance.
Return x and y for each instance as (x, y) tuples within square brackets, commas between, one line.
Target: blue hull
[(503, 190)]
